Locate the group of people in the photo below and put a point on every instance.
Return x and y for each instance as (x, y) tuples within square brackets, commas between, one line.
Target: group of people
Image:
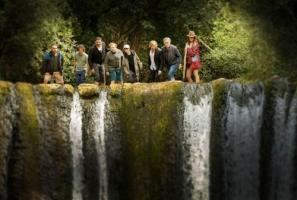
[(125, 65)]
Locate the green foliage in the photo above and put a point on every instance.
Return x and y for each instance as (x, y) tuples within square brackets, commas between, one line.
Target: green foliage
[(56, 31), (240, 47), (253, 40)]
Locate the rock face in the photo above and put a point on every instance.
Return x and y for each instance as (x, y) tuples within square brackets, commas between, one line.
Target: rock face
[(215, 141)]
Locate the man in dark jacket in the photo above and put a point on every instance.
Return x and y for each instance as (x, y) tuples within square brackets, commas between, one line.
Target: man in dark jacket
[(52, 66), (170, 58), (96, 59)]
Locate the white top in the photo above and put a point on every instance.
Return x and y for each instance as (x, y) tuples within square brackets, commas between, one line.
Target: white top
[(152, 57), (99, 48)]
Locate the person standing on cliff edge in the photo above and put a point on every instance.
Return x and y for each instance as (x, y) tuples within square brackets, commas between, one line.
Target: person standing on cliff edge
[(96, 59), (192, 61), (170, 58), (52, 66)]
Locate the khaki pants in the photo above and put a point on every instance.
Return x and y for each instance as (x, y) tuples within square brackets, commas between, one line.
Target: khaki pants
[(56, 77)]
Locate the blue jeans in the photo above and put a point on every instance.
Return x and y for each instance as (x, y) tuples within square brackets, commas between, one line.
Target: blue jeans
[(80, 76), (172, 71), (115, 74)]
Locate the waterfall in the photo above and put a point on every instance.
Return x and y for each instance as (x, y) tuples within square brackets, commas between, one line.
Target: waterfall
[(283, 147), (99, 136), (76, 146), (241, 141), (197, 126)]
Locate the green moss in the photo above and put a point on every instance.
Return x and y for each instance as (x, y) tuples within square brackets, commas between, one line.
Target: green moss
[(55, 89), (150, 123), (216, 162), (4, 90), (29, 136), (88, 91), (54, 111)]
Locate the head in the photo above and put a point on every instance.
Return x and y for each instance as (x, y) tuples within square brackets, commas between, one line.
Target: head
[(81, 48), (153, 44), (167, 42), (127, 49), (113, 47), (54, 49), (98, 41), (191, 37)]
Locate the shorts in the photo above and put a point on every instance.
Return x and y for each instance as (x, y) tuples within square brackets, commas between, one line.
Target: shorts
[(56, 77), (115, 74)]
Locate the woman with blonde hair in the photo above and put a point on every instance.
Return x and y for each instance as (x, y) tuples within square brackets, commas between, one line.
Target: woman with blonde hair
[(154, 61), (192, 62)]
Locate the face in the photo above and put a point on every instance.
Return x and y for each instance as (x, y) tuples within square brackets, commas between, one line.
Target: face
[(113, 48), (80, 50), (167, 43), (153, 46), (98, 43), (54, 49), (191, 39), (127, 50)]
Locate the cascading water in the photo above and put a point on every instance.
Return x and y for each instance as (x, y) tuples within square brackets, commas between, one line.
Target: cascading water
[(197, 126), (154, 141), (99, 136), (241, 141), (283, 146), (76, 146)]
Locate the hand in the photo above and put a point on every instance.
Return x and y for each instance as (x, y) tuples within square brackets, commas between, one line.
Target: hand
[(107, 73), (180, 66), (93, 71), (159, 72)]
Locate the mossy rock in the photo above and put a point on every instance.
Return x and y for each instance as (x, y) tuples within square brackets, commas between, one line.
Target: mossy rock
[(55, 89), (149, 121), (5, 88), (88, 91), (25, 170)]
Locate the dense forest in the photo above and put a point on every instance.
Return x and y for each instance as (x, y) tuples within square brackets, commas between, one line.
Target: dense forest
[(249, 39)]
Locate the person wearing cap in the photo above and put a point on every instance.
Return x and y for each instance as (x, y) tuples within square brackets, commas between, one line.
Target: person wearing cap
[(96, 59), (170, 58), (192, 62), (132, 64), (154, 61), (52, 66), (114, 64)]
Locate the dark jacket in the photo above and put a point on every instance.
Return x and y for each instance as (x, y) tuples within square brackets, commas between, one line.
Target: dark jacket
[(157, 58), (95, 56), (47, 61), (170, 56)]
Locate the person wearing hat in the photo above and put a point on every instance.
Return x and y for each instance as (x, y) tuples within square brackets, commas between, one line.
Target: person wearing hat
[(132, 64), (192, 62)]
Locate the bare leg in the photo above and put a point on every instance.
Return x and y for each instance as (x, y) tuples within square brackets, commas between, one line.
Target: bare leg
[(196, 74), (189, 75), (47, 77)]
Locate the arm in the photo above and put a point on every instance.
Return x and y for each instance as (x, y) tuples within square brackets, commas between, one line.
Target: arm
[(90, 58), (62, 64), (106, 64), (44, 64), (162, 60), (178, 56), (139, 62)]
